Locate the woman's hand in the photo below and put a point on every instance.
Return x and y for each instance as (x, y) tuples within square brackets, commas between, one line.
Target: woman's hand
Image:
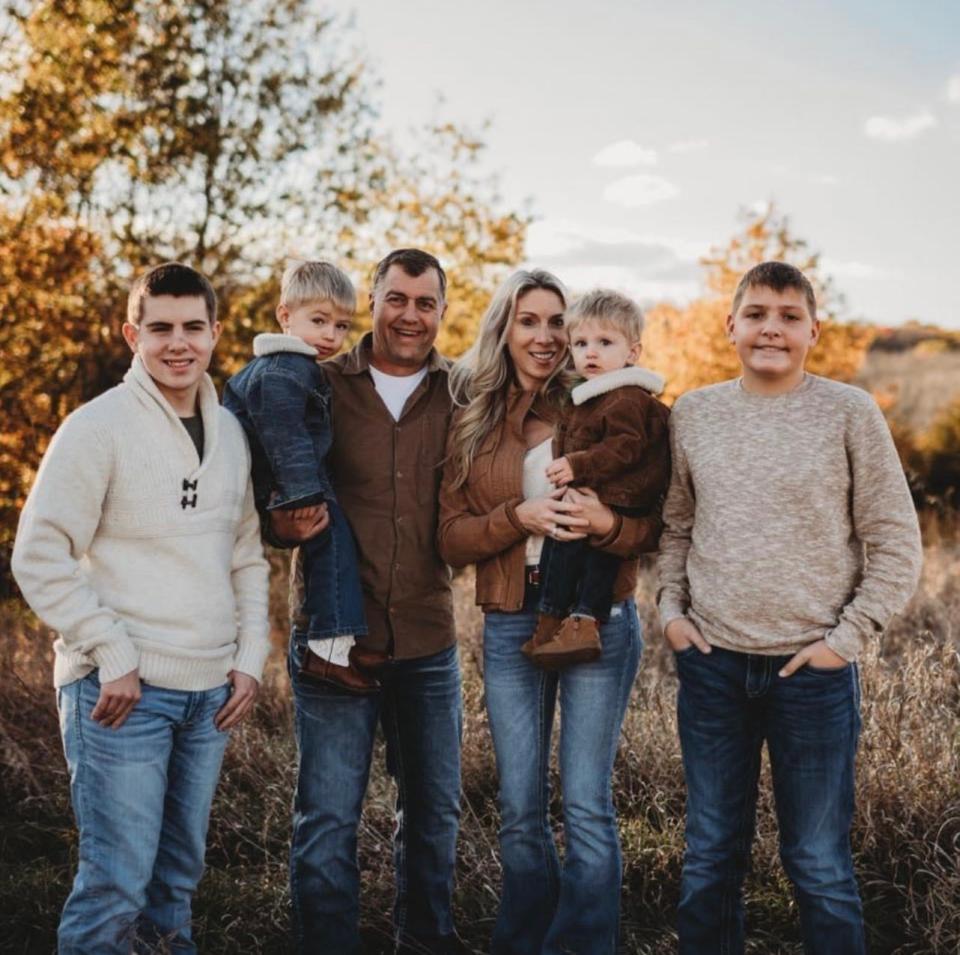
[(596, 518), (551, 517)]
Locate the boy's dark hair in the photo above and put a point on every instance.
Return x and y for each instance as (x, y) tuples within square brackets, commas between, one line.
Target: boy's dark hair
[(778, 276), (414, 262), (171, 278)]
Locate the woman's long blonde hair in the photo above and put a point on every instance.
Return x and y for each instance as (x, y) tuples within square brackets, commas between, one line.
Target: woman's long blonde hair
[(481, 377)]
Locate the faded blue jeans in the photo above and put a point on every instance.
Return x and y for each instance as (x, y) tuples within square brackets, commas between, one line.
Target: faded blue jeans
[(420, 711), (141, 795), (546, 909), (729, 704)]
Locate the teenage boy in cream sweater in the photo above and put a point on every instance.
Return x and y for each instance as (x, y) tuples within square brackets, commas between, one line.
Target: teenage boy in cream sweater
[(790, 540), (140, 545)]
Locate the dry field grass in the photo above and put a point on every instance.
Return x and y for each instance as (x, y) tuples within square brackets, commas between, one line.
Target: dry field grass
[(907, 830)]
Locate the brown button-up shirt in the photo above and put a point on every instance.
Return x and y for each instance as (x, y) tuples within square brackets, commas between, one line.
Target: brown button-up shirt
[(386, 475)]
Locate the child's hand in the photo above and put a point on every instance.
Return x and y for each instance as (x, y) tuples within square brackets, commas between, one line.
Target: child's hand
[(818, 654), (299, 524), (682, 633), (559, 472)]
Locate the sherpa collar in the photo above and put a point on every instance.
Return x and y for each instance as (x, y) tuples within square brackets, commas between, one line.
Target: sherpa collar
[(269, 343), (638, 377)]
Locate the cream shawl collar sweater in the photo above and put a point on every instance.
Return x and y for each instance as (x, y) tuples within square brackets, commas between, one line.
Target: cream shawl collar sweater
[(138, 553)]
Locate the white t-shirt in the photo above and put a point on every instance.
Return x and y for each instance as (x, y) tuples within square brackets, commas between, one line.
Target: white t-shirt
[(536, 484), (395, 389)]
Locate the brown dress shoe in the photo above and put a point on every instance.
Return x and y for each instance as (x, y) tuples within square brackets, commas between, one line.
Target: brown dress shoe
[(576, 641), (349, 679), (547, 626), (367, 659)]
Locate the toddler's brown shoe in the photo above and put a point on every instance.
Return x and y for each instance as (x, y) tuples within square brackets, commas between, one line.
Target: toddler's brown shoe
[(349, 679), (576, 641), (547, 626)]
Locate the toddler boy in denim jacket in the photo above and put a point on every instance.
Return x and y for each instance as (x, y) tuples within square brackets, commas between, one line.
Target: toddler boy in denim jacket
[(282, 399)]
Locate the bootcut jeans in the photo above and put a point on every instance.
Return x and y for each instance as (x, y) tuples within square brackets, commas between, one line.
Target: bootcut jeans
[(546, 908)]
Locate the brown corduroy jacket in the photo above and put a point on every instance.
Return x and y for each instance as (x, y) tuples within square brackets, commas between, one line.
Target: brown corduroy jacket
[(479, 525), (615, 435), (387, 476)]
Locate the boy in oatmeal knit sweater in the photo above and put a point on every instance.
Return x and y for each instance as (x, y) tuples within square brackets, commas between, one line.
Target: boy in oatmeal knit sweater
[(790, 539), (140, 544)]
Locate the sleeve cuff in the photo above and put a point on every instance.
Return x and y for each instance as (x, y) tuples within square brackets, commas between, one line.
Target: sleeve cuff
[(511, 511), (251, 656), (844, 640), (611, 535), (669, 611), (115, 658)]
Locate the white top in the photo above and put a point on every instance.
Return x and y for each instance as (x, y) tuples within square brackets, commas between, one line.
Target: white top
[(395, 389), (141, 555), (536, 484)]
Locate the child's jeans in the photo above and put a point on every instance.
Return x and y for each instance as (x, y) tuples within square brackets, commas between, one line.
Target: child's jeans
[(729, 704), (333, 598), (576, 578)]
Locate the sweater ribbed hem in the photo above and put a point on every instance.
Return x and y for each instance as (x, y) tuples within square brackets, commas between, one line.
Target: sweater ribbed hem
[(116, 657), (157, 669)]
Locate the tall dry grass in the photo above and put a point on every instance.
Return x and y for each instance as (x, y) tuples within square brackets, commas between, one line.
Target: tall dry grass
[(906, 835)]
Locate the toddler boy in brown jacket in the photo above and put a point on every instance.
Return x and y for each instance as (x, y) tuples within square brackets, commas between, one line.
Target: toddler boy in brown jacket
[(613, 438)]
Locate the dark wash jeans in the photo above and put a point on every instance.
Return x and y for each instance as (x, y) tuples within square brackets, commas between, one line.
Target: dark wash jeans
[(546, 908), (333, 598), (576, 578), (729, 704), (420, 711)]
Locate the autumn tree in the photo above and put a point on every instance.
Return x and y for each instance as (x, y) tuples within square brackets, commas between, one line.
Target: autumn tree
[(689, 346), (228, 134)]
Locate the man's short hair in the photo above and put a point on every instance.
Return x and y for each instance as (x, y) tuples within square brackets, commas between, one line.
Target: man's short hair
[(317, 281), (171, 278), (778, 276), (608, 308), (414, 262)]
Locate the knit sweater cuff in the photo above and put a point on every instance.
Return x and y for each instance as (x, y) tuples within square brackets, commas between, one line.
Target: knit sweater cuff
[(845, 641), (252, 653), (116, 656), (670, 610)]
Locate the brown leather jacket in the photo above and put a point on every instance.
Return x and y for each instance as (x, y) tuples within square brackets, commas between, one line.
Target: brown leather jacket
[(479, 525), (615, 435)]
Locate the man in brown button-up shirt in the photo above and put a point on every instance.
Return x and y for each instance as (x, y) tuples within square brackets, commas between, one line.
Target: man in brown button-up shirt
[(391, 410)]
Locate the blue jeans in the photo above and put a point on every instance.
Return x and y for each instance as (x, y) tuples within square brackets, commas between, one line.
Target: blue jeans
[(420, 711), (545, 909), (728, 705), (576, 578), (141, 795), (332, 596)]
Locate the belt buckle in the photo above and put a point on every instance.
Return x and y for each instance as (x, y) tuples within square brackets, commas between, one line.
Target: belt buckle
[(533, 576)]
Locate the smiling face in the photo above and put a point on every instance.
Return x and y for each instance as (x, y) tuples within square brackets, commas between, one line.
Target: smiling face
[(406, 317), (175, 342), (320, 323), (536, 340), (597, 347), (772, 332)]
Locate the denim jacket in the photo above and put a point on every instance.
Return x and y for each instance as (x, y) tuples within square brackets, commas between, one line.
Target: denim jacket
[(282, 399)]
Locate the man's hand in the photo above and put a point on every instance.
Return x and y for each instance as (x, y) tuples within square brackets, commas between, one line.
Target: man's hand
[(300, 524), (559, 472), (818, 654), (244, 692), (682, 633), (117, 698)]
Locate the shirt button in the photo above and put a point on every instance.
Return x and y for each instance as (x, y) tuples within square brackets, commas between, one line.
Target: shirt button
[(399, 474)]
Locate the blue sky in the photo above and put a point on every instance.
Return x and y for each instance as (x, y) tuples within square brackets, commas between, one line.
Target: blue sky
[(638, 130)]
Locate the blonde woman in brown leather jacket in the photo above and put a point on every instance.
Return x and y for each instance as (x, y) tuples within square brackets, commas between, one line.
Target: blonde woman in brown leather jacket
[(496, 506)]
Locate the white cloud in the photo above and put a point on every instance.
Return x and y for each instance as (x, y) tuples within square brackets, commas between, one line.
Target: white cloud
[(825, 179), (891, 130), (858, 270), (625, 153), (953, 88), (640, 190), (687, 145)]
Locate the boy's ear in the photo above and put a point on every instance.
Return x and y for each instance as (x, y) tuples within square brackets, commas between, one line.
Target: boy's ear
[(728, 324), (634, 354), (283, 316), (215, 329), (814, 331), (131, 335)]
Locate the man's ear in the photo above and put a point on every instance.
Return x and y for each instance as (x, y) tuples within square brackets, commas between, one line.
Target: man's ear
[(131, 335)]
